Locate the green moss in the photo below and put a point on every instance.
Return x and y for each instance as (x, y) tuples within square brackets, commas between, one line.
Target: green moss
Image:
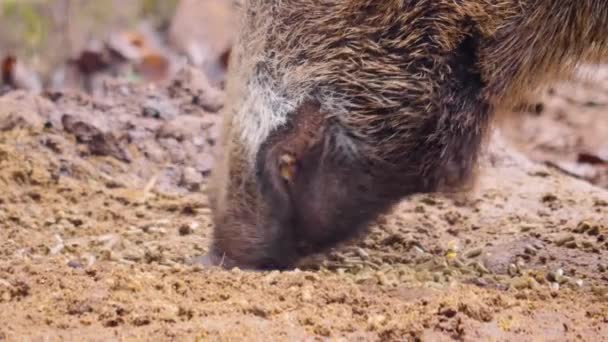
[(34, 29), (27, 22)]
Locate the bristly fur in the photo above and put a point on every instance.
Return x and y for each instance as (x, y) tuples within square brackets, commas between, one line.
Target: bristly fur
[(408, 90)]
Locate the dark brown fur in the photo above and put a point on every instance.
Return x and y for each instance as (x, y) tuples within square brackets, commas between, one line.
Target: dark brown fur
[(393, 98)]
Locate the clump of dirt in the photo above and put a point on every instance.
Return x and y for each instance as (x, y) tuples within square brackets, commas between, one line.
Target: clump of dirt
[(102, 202), (165, 136)]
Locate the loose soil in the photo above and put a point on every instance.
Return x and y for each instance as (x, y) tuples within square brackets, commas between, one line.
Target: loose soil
[(102, 203)]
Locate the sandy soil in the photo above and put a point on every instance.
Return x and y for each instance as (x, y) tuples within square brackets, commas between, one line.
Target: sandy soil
[(102, 202)]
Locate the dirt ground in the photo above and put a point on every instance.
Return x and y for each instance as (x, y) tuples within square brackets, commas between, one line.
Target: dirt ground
[(102, 204)]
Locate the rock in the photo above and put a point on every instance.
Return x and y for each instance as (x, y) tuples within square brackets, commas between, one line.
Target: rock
[(183, 127), (362, 253), (498, 258), (98, 142), (74, 264), (554, 287), (159, 109), (191, 179), (204, 163), (564, 240), (14, 120), (473, 253), (594, 231), (306, 294), (185, 229), (20, 109), (555, 276), (175, 151)]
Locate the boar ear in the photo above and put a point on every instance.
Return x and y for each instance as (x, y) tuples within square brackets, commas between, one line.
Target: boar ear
[(280, 158)]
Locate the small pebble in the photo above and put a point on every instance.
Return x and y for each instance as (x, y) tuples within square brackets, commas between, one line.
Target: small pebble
[(56, 249), (529, 250), (108, 255), (362, 253), (376, 321), (473, 253), (437, 277), (184, 229), (90, 259), (601, 291), (595, 230), (448, 312), (571, 245), (133, 231), (453, 246), (563, 240), (482, 282), (554, 287), (564, 280), (528, 228), (314, 276), (480, 268), (133, 254), (150, 112), (418, 250), (306, 295), (109, 240), (157, 230), (582, 227), (191, 178), (159, 109), (383, 279), (555, 276), (458, 263), (74, 264), (521, 283), (271, 278)]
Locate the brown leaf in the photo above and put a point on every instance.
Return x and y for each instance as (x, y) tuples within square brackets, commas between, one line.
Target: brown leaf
[(129, 46), (225, 58), (18, 76), (153, 67), (90, 62), (8, 66), (590, 158)]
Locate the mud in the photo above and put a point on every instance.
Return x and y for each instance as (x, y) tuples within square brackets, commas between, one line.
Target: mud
[(102, 203)]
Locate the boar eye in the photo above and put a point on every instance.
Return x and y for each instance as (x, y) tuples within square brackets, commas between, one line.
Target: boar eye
[(287, 167)]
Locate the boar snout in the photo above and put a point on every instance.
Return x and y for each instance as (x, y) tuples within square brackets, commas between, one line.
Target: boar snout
[(310, 188)]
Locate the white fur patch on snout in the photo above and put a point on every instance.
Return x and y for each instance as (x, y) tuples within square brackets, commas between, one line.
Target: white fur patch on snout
[(261, 111)]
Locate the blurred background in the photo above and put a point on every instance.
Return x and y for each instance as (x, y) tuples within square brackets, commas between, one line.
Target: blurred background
[(47, 36), (46, 32), (61, 45)]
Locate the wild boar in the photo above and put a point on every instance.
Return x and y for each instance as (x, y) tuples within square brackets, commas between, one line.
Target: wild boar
[(339, 109)]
